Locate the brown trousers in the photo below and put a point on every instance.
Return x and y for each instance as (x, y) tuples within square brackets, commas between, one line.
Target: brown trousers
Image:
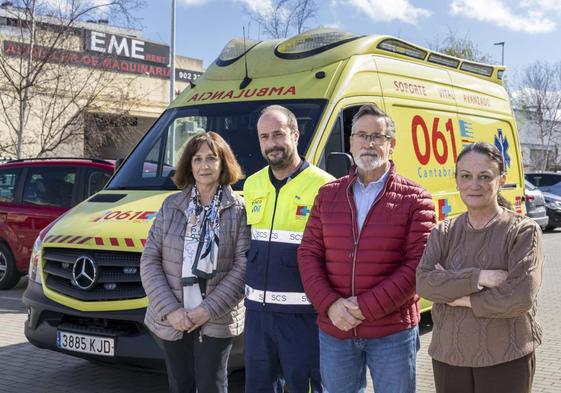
[(515, 376)]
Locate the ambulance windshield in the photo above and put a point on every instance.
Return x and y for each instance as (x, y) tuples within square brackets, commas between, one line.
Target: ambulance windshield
[(152, 162)]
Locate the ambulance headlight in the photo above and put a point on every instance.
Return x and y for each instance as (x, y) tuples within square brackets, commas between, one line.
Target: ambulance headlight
[(35, 261), (313, 42), (234, 50)]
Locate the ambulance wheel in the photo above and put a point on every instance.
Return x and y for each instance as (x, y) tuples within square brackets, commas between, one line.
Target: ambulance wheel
[(9, 276)]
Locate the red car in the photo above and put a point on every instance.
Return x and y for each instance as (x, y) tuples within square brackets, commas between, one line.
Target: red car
[(34, 192)]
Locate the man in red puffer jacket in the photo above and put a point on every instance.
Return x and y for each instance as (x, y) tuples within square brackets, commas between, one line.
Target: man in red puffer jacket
[(361, 247)]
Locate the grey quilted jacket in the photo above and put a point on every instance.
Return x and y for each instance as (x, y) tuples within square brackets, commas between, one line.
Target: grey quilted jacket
[(161, 265)]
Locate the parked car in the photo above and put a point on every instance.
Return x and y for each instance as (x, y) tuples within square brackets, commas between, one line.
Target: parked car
[(535, 205), (553, 207), (33, 193), (546, 181)]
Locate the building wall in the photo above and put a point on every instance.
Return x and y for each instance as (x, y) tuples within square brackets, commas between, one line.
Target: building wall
[(534, 152)]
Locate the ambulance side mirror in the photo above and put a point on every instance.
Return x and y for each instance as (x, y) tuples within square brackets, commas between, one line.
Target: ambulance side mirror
[(338, 164)]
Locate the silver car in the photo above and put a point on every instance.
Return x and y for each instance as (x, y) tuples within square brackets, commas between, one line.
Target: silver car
[(535, 205)]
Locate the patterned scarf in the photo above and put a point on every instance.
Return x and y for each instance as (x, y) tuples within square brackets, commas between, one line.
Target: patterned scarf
[(200, 247)]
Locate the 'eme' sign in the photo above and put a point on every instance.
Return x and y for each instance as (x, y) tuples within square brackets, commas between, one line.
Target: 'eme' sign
[(127, 47)]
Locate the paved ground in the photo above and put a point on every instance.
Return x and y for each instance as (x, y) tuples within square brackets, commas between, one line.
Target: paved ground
[(24, 368)]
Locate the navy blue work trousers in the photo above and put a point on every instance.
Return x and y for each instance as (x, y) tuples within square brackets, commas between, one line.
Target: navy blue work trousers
[(281, 349)]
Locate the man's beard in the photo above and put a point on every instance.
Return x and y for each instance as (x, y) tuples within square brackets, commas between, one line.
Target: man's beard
[(279, 162), (369, 163)]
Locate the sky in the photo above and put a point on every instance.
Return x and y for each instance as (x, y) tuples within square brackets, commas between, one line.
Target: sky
[(531, 29)]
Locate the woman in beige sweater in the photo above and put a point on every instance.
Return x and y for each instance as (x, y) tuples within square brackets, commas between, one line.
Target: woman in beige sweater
[(483, 271)]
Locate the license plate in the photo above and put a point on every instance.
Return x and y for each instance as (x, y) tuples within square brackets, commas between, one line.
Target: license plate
[(95, 345)]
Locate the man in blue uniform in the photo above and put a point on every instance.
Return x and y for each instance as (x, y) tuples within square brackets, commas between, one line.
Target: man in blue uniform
[(281, 335)]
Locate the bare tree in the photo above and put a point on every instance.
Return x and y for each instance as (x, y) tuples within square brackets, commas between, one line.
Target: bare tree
[(462, 47), (44, 97), (539, 99), (284, 17)]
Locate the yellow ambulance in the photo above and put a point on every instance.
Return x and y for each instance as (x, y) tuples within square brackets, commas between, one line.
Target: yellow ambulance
[(439, 104)]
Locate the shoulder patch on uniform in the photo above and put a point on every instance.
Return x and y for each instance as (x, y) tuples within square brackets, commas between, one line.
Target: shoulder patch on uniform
[(256, 205)]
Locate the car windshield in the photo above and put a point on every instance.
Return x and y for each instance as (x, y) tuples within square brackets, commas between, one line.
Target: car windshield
[(152, 162), (544, 179)]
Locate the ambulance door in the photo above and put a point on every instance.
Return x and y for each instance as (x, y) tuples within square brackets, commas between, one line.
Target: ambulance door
[(421, 101)]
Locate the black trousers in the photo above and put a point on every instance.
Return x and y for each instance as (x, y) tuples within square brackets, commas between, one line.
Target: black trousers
[(197, 363), (515, 376)]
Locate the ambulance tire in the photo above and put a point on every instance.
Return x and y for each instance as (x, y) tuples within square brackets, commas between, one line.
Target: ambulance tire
[(9, 275)]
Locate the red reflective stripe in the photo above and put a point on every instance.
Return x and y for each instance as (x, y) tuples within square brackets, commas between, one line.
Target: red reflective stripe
[(143, 241), (84, 240), (99, 241), (129, 242), (48, 238), (74, 239), (65, 238), (54, 239), (114, 241)]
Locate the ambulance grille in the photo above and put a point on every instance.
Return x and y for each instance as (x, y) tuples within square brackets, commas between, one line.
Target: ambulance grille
[(114, 276)]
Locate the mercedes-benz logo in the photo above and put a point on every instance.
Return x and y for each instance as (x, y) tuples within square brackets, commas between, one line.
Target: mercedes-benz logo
[(84, 273)]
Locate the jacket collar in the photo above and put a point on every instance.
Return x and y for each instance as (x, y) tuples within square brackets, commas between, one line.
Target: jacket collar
[(181, 200), (353, 173)]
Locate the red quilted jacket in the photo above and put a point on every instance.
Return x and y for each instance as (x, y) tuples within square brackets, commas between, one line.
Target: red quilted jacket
[(377, 265)]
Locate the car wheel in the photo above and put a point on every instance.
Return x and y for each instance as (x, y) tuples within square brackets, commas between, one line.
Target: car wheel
[(9, 276)]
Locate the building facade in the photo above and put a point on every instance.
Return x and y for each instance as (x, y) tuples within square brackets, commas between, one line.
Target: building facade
[(539, 153), (93, 89)]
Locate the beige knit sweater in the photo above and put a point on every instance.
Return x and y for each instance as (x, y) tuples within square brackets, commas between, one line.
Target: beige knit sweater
[(500, 326)]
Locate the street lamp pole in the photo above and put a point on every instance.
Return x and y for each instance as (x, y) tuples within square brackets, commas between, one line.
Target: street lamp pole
[(172, 55), (502, 44)]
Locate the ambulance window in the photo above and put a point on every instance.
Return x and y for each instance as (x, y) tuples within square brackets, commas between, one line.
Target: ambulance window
[(348, 115), (179, 132), (152, 163), (334, 142), (339, 140)]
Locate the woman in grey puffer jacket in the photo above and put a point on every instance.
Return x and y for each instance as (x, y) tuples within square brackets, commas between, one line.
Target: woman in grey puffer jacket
[(193, 267)]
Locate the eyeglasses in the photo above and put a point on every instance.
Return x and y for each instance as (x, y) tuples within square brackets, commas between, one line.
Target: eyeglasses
[(378, 139)]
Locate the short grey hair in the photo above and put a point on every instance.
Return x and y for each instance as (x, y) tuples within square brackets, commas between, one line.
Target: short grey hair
[(291, 122), (374, 110)]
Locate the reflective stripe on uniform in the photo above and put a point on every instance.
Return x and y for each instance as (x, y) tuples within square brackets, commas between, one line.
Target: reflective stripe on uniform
[(287, 298), (276, 236)]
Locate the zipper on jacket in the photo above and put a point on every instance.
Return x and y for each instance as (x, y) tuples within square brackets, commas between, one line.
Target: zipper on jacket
[(356, 237), (269, 250)]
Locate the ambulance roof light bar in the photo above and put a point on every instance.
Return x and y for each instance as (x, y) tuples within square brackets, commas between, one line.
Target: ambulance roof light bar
[(443, 60), (402, 48), (313, 42), (475, 68), (405, 49), (234, 50)]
